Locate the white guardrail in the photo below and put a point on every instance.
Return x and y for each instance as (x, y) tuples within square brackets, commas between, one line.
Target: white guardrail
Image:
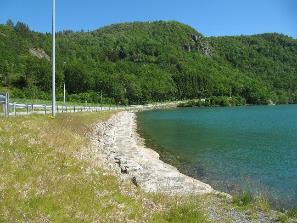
[(14, 109)]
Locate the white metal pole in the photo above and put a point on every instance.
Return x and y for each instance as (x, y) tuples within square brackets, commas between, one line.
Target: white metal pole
[(7, 109), (64, 94), (54, 59)]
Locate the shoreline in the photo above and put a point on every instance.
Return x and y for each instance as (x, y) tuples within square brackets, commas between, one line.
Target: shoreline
[(177, 161), (122, 149), (116, 146)]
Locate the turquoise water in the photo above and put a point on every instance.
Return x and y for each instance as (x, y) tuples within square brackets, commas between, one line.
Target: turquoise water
[(233, 149)]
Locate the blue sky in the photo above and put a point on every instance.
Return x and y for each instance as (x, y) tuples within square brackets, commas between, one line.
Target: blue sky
[(210, 17)]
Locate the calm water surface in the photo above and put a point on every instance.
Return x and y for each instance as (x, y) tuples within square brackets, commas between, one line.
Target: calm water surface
[(233, 149)]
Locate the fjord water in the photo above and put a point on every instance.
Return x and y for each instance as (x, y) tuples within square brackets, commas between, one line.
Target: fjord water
[(251, 148)]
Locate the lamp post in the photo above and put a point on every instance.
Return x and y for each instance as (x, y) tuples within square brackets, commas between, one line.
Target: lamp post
[(54, 59)]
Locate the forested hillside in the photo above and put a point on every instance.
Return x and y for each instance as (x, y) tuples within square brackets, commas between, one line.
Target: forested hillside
[(144, 62)]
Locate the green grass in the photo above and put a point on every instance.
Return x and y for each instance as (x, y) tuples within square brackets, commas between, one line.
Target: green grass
[(189, 213), (42, 179), (292, 213), (246, 201), (253, 204), (45, 178), (243, 199), (282, 219)]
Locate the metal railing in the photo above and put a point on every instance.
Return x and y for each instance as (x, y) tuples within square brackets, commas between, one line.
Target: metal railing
[(14, 109)]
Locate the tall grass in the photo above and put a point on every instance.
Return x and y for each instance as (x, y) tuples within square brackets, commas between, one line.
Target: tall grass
[(189, 213), (44, 180)]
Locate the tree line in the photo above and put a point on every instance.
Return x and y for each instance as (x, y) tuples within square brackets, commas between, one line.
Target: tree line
[(141, 62)]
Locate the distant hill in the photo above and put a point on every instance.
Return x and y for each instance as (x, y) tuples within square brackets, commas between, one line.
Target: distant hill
[(149, 61)]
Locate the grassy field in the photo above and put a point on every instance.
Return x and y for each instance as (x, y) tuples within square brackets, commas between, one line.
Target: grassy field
[(43, 179)]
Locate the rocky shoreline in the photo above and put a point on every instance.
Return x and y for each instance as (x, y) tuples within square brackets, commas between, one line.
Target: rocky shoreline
[(117, 147), (120, 148)]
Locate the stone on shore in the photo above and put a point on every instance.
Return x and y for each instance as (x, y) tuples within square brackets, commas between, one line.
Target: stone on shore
[(124, 150)]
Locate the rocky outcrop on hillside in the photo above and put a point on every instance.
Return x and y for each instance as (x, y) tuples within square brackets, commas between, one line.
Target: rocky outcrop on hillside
[(39, 53)]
